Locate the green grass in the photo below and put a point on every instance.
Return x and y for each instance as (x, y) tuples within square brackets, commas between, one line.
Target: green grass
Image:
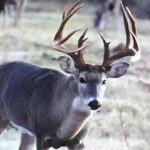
[(36, 33)]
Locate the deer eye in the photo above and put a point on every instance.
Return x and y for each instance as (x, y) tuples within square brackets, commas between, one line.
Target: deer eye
[(103, 82), (82, 80)]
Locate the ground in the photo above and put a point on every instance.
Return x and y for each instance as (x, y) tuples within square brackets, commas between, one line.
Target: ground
[(123, 122)]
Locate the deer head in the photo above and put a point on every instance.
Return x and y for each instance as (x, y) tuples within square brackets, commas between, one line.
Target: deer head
[(90, 78)]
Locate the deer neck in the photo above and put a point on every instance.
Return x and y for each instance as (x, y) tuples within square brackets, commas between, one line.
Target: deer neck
[(77, 118), (73, 124)]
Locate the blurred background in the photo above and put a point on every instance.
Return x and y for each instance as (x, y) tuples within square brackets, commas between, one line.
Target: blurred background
[(27, 30)]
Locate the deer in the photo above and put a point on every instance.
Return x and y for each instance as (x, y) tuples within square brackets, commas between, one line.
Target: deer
[(101, 14), (53, 109), (8, 6)]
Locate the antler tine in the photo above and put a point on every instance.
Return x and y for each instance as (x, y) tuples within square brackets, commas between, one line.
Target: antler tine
[(106, 50), (64, 15), (82, 39), (126, 25), (65, 18), (135, 43), (58, 40), (134, 34), (68, 36), (132, 20), (78, 56), (78, 3)]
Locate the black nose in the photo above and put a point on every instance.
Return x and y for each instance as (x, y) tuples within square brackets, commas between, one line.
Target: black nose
[(94, 104)]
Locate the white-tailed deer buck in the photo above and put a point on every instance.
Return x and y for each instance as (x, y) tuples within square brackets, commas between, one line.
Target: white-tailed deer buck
[(53, 108), (8, 7)]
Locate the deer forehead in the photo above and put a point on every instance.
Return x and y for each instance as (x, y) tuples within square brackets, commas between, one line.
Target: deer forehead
[(93, 76)]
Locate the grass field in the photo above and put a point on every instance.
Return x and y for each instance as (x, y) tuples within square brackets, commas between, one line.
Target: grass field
[(126, 109)]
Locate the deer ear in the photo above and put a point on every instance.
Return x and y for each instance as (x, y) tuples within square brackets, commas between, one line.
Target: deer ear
[(66, 64), (117, 70)]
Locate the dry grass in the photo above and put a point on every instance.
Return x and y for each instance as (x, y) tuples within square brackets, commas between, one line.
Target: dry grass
[(28, 42)]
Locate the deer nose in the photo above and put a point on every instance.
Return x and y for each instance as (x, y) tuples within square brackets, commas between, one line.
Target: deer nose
[(94, 104)]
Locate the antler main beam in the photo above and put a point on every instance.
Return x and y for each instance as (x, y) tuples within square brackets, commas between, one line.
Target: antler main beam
[(126, 51)]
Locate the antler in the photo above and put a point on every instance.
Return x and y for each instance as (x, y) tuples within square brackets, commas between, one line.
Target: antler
[(126, 51), (59, 42)]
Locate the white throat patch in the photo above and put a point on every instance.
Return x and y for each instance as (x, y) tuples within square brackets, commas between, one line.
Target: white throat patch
[(80, 105)]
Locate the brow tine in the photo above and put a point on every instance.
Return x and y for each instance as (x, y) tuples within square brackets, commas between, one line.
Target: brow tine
[(126, 25)]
